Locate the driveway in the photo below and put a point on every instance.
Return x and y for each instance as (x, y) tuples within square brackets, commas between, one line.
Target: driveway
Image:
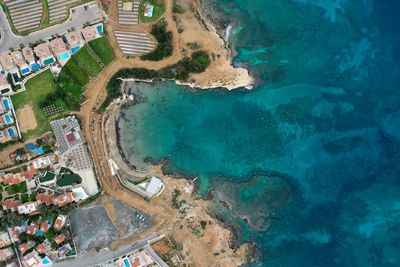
[(78, 17)]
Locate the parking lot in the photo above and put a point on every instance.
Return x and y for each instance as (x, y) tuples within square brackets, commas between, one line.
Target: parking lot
[(96, 227)]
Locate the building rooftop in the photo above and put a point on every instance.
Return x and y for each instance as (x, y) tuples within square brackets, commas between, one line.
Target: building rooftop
[(17, 57), (58, 46), (89, 33), (31, 230), (41, 248), (6, 61), (26, 246), (63, 199), (59, 239), (28, 54), (44, 198), (74, 38), (4, 83), (42, 50), (6, 253), (32, 259), (59, 223), (28, 208), (44, 226), (29, 173), (10, 204), (4, 239), (11, 178)]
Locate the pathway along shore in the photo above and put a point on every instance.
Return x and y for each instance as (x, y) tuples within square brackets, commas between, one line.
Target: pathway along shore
[(219, 73)]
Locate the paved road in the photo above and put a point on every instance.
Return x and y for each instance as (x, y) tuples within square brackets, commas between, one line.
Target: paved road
[(77, 18), (93, 258)]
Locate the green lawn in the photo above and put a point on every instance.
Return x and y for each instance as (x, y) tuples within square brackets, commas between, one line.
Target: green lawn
[(75, 72), (159, 9), (17, 188), (102, 48), (37, 88), (87, 62)]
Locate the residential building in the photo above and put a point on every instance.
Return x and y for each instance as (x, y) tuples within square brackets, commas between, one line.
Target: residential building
[(28, 208), (26, 246), (59, 48), (43, 52), (7, 63), (44, 226), (79, 194), (6, 253), (42, 162), (60, 222), (41, 248), (90, 33), (32, 259), (15, 232), (31, 230), (59, 239), (5, 239), (75, 41), (17, 58), (5, 86), (63, 199), (62, 251), (28, 55), (11, 205)]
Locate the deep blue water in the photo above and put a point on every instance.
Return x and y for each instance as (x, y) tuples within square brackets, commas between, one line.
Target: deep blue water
[(308, 161)]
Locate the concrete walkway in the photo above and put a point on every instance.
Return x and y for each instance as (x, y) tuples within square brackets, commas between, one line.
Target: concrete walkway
[(78, 17)]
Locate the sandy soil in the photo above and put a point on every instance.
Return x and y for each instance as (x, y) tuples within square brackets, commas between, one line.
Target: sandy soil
[(26, 118)]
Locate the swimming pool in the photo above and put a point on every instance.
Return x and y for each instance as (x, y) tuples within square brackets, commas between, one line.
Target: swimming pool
[(48, 61), (46, 261), (11, 132), (64, 56), (100, 28), (75, 49), (127, 263), (5, 102), (35, 66), (8, 119), (25, 71)]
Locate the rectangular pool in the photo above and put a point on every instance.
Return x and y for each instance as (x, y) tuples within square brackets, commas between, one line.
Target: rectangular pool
[(64, 56), (75, 49), (35, 66), (127, 263), (48, 61), (5, 102), (25, 71), (100, 28), (8, 119)]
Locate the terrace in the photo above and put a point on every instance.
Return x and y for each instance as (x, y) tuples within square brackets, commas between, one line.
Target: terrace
[(44, 53), (7, 63), (28, 55), (59, 48)]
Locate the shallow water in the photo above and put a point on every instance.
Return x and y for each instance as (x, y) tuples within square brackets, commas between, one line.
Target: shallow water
[(308, 161)]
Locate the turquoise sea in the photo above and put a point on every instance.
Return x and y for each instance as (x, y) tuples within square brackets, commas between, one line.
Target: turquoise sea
[(307, 164)]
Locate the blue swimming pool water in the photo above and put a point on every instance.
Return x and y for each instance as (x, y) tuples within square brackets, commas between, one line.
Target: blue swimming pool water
[(5, 101), (25, 71), (35, 67), (100, 28), (48, 61), (127, 263), (64, 56), (46, 260), (11, 132), (8, 119), (75, 49)]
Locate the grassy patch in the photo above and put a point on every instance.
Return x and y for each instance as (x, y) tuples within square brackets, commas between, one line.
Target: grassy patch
[(16, 188), (164, 42), (158, 11), (75, 72), (46, 15), (102, 48), (37, 89)]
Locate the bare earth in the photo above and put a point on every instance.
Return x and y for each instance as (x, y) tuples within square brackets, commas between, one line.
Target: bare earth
[(26, 118), (201, 249)]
